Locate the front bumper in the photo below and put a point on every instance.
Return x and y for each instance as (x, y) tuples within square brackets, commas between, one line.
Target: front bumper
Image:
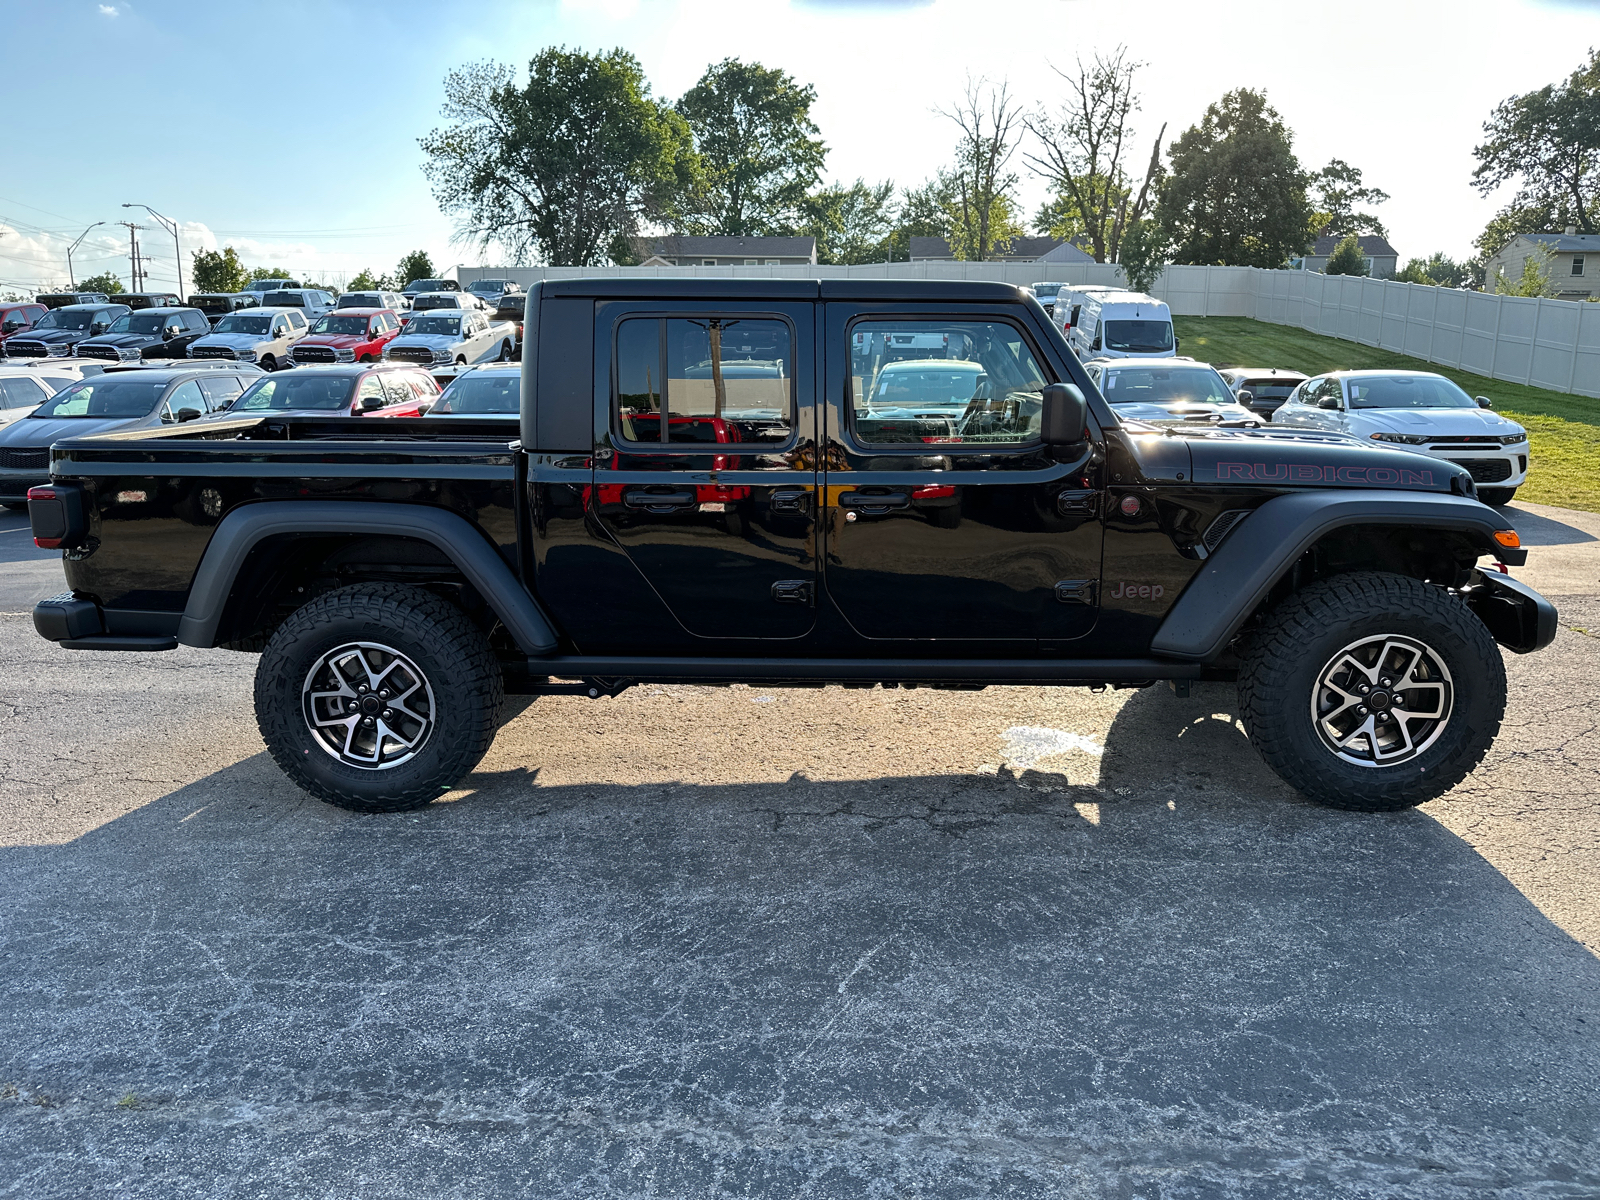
[(1520, 618), (1489, 466)]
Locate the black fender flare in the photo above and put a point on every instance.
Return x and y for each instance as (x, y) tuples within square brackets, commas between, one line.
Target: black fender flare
[(1263, 546), (459, 540)]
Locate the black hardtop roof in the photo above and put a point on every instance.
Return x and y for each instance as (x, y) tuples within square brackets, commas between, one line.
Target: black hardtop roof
[(910, 290)]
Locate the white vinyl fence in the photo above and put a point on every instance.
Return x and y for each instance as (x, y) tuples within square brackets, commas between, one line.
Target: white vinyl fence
[(1552, 344)]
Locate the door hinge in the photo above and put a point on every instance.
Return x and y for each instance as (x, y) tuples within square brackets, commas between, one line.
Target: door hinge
[(1076, 502), (791, 500), (1076, 591), (794, 591)]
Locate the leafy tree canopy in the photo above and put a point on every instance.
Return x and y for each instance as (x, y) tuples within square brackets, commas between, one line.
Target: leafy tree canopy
[(268, 273), (566, 167), (759, 151), (1142, 255), (218, 271), (923, 212), (368, 282), (1548, 142), (1336, 190), (1535, 278), (107, 284), (851, 224), (414, 266), (1236, 195), (1438, 270), (1347, 259)]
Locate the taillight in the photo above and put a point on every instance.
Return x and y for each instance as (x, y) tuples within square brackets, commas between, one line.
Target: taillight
[(56, 514)]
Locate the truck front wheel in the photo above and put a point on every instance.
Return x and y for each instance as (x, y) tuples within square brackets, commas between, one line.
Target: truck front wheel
[(378, 697), (1372, 692)]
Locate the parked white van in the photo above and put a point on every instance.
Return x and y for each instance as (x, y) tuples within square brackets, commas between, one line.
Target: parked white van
[(1070, 302), (1123, 325)]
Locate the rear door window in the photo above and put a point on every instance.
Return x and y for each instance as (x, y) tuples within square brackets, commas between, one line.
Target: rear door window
[(714, 379), (221, 390), (20, 392), (186, 395)]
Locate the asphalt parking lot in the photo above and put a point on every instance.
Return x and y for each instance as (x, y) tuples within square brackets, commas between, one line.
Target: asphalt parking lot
[(699, 942)]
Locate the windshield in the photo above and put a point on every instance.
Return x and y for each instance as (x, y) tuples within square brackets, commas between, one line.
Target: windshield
[(492, 286), (212, 304), (1406, 391), (449, 325), (283, 300), (322, 392), (341, 325), (482, 394), (423, 303), (138, 323), (60, 318), (1046, 291), (101, 397), (1164, 385), (239, 323), (1138, 337), (945, 387), (361, 300), (269, 285)]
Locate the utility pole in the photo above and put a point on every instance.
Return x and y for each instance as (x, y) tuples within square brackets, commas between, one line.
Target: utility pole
[(136, 274), (171, 227), (72, 280)]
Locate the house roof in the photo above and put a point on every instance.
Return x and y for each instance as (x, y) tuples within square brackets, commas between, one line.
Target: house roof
[(1566, 243), (1066, 252), (1371, 245), (755, 247)]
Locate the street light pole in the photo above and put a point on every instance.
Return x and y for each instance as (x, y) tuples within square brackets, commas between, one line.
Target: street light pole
[(171, 227), (72, 280)]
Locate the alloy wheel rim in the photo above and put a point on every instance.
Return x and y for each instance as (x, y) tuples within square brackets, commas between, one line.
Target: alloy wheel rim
[(1382, 700), (368, 705)]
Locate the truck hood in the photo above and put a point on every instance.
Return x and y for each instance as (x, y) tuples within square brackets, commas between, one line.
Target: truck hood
[(432, 341), (1445, 422), (1187, 412), (234, 341), (1252, 457), (122, 340), (40, 432), (51, 337), (339, 341)]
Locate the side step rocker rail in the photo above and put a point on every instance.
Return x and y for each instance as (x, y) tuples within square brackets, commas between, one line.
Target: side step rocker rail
[(1035, 671)]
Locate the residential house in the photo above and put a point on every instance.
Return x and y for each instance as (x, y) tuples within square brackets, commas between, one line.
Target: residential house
[(1382, 259), (1574, 261), (681, 251), (1022, 249)]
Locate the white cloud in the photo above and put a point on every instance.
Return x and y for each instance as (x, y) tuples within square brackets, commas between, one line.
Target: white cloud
[(109, 10)]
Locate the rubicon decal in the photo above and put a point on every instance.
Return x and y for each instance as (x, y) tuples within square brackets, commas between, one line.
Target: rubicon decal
[(1319, 473)]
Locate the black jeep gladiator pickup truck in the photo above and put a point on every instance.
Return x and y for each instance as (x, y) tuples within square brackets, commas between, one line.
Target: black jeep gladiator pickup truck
[(795, 482)]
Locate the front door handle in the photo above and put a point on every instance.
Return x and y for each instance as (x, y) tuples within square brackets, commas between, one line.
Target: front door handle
[(658, 502), (1077, 502), (874, 501)]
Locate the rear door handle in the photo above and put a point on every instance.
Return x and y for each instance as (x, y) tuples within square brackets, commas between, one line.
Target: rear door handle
[(874, 501), (790, 500), (658, 501), (1077, 503)]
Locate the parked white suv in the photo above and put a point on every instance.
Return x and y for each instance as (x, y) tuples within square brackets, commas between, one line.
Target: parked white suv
[(311, 301), (451, 335), (393, 301), (262, 336)]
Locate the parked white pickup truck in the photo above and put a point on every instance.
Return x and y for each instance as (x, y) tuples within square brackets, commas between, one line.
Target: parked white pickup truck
[(448, 335)]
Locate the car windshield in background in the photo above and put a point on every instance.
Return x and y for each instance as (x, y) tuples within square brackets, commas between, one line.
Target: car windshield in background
[(360, 300), (211, 305), (1406, 391), (283, 300), (1164, 385), (423, 303), (319, 392), (60, 318), (1046, 291), (138, 323), (242, 324), (481, 394), (102, 397), (1138, 337), (341, 325), (449, 325), (926, 387)]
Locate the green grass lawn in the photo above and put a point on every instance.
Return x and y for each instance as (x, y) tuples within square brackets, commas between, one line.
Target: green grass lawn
[(1564, 431)]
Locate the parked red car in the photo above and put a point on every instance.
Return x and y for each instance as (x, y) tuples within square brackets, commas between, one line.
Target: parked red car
[(14, 318), (347, 335)]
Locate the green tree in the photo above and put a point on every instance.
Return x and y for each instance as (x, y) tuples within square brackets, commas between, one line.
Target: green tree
[(1236, 195), (107, 284), (368, 282), (566, 167), (258, 273), (1535, 277), (1547, 141), (1336, 190), (218, 271), (1082, 153), (923, 212), (414, 266), (1347, 259), (1438, 269), (1142, 255), (1058, 217), (851, 224), (759, 151), (981, 208)]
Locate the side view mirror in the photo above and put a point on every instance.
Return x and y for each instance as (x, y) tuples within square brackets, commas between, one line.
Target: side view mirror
[(368, 403), (1064, 415), (1328, 402), (1177, 343), (97, 327), (1246, 395), (173, 331), (10, 327), (188, 414), (1485, 402)]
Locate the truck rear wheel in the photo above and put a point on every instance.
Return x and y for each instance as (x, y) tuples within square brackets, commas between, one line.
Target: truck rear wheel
[(1372, 692), (378, 697)]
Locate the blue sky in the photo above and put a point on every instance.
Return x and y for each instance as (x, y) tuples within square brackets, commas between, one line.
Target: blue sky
[(289, 129)]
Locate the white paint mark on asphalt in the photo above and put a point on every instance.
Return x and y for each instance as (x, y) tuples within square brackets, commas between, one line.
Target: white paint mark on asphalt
[(1027, 745)]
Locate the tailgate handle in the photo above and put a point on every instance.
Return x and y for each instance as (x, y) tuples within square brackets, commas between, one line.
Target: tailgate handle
[(659, 502), (874, 501)]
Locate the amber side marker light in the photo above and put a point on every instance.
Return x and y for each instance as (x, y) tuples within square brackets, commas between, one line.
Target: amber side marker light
[(1508, 538)]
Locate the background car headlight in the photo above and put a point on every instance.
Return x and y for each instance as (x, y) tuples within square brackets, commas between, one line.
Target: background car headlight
[(1409, 439), (1511, 439), (245, 355)]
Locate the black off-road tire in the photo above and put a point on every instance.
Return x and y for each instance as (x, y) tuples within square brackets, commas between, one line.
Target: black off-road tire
[(1285, 661), (1497, 495), (451, 653)]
